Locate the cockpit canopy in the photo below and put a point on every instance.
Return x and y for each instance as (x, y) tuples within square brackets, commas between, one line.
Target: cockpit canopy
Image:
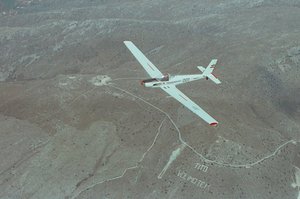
[(166, 77)]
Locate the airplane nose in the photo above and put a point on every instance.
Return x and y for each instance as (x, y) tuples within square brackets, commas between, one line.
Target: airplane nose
[(142, 82)]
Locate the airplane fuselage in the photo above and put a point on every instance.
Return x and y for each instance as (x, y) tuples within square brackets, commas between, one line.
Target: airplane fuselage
[(170, 80)]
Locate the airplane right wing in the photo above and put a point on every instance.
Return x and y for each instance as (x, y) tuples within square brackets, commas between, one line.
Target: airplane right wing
[(187, 102), (148, 66)]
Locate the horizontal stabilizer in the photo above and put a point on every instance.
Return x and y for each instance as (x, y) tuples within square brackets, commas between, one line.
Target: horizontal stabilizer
[(207, 72), (201, 68), (214, 79)]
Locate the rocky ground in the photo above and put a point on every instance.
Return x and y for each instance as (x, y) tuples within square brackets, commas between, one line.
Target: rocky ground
[(75, 123)]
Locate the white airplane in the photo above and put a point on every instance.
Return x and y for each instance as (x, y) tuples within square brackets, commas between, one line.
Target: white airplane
[(168, 82)]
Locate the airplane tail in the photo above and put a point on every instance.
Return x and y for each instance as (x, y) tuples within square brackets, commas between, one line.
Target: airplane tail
[(207, 72)]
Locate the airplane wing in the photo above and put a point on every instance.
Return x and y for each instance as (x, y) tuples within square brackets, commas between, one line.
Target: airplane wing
[(148, 66), (182, 98)]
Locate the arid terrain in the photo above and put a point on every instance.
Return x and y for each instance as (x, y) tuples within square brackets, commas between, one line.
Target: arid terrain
[(75, 123)]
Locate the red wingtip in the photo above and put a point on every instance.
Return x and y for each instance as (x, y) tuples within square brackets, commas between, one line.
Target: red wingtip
[(214, 124)]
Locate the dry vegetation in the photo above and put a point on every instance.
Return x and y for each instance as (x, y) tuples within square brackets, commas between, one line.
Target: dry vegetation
[(72, 122)]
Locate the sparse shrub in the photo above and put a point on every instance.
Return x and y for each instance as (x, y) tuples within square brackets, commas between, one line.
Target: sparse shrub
[(7, 4)]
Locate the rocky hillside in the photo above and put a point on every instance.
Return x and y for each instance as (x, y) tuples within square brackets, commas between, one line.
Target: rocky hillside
[(75, 123)]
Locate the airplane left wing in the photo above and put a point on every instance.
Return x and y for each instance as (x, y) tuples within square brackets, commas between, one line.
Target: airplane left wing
[(183, 99), (144, 61)]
